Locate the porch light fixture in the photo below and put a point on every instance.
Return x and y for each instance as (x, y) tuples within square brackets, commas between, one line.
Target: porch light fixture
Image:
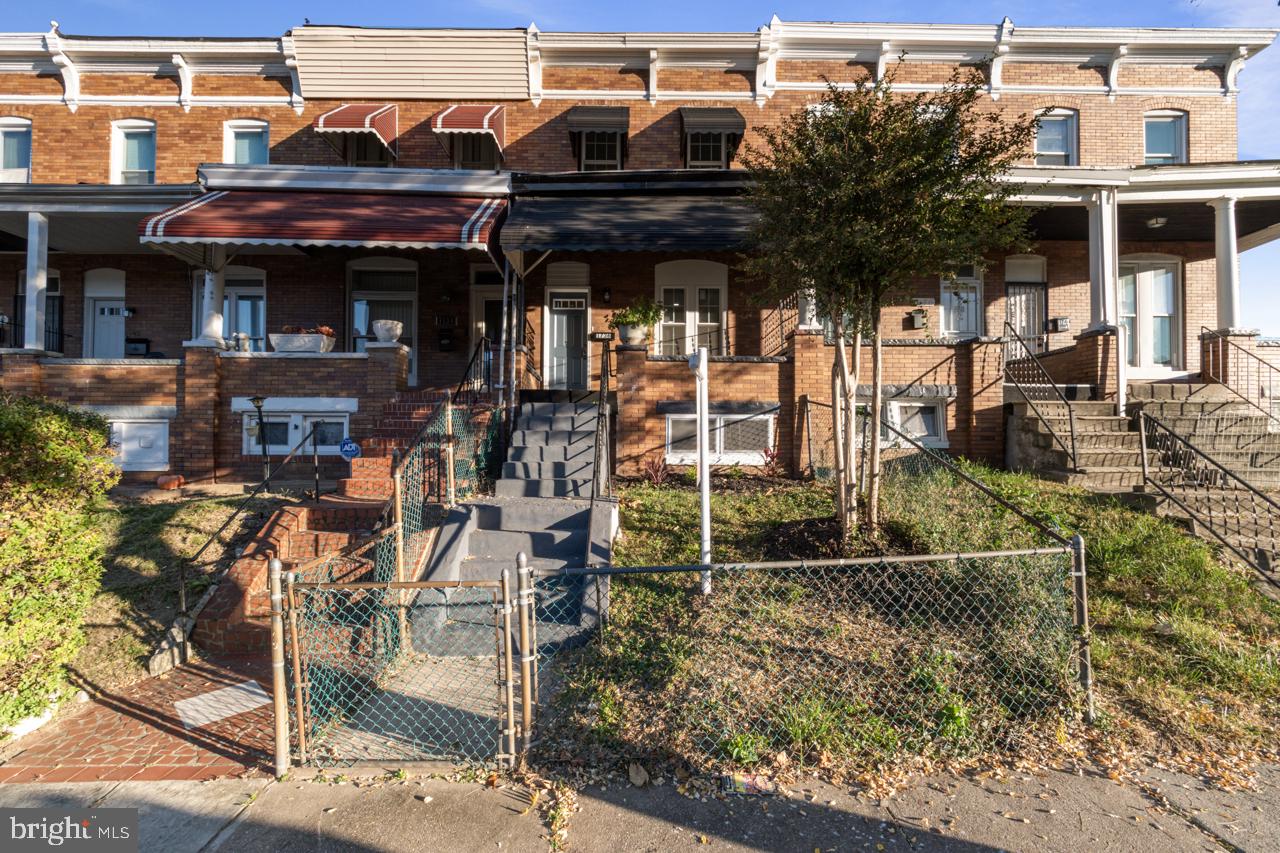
[(1157, 222), (257, 402), (607, 295)]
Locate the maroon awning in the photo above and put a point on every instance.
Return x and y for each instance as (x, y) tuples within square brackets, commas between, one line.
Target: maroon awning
[(473, 118), (289, 218), (382, 120)]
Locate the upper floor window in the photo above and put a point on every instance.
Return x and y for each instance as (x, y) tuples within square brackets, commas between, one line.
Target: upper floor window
[(475, 151), (711, 135), (1166, 137), (366, 149), (1056, 139), (15, 150), (706, 151), (246, 142), (601, 151), (133, 152)]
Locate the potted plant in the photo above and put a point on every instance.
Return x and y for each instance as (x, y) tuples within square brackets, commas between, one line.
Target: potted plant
[(387, 331), (303, 339), (634, 321)]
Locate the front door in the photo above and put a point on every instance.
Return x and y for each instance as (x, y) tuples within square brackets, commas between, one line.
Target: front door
[(108, 328), (491, 328), (1028, 314), (1150, 311), (567, 339)]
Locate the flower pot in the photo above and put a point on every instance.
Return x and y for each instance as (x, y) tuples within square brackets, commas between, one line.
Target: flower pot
[(387, 331), (301, 343), (633, 335)]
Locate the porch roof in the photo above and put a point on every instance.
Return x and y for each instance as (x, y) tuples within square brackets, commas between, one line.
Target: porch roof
[(627, 223), (267, 218)]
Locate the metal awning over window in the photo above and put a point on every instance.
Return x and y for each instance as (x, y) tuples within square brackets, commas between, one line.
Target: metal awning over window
[(599, 119), (488, 119), (628, 223), (713, 120), (381, 120), (284, 218)]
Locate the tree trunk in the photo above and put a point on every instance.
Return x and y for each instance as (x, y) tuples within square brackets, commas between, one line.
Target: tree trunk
[(877, 391), (855, 477), (839, 429), (848, 415)]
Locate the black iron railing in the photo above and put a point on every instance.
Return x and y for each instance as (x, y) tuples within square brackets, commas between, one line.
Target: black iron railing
[(1242, 372), (1028, 375)]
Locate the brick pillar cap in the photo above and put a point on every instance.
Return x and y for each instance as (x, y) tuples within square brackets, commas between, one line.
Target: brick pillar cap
[(1230, 333), (632, 348), (389, 345)]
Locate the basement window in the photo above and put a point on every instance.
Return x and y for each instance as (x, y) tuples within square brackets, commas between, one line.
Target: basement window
[(923, 420), (735, 439), (285, 430)]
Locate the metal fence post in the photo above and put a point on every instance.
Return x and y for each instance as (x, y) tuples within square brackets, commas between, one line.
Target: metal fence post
[(1078, 575), (274, 569), (397, 492), (300, 708), (508, 671), (1142, 443), (524, 606), (448, 450)]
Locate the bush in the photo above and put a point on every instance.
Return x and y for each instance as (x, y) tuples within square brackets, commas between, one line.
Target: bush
[(54, 467)]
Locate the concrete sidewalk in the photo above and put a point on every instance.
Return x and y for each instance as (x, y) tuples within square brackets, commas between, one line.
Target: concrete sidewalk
[(1050, 811)]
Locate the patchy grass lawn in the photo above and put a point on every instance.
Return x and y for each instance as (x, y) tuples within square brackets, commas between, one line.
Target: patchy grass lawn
[(1186, 653), (138, 600)]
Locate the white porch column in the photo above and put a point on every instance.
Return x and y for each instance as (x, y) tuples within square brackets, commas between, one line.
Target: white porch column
[(1227, 254), (37, 280), (211, 297), (1104, 261)]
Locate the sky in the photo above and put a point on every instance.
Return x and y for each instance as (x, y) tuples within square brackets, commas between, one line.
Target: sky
[(1259, 82)]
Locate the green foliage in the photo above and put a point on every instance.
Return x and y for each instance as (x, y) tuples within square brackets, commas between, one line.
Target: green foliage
[(870, 189), (54, 467), (643, 312), (744, 748)]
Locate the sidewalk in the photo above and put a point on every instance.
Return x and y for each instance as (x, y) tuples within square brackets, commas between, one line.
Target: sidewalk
[(1051, 811)]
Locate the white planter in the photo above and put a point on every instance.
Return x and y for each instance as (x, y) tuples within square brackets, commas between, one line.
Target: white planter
[(387, 331), (633, 335), (301, 343)]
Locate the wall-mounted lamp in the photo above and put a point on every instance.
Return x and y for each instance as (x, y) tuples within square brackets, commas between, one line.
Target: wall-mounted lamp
[(607, 295), (257, 403), (1157, 222), (129, 312)]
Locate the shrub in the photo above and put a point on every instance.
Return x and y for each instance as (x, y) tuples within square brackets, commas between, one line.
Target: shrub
[(54, 466)]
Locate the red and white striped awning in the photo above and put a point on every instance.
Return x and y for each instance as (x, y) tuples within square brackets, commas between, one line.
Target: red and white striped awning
[(287, 218), (382, 120), (473, 118)]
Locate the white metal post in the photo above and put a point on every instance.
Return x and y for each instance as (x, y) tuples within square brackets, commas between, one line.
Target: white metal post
[(37, 280), (211, 320), (1227, 257), (698, 363)]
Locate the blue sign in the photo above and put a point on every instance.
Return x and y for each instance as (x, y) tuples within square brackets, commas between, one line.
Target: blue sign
[(349, 449)]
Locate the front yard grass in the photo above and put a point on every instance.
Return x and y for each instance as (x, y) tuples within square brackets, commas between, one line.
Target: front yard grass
[(138, 599), (1186, 652)]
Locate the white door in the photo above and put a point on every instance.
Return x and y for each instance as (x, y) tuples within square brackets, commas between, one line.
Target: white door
[(1151, 313), (108, 328), (1028, 313)]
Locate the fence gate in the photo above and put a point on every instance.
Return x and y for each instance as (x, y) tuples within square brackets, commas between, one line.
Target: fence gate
[(404, 671)]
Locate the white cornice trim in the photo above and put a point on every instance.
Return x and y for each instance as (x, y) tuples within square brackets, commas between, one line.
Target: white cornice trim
[(642, 95), (217, 176)]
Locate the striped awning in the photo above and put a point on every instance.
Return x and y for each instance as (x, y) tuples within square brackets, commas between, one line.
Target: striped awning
[(284, 218), (473, 118), (382, 120)]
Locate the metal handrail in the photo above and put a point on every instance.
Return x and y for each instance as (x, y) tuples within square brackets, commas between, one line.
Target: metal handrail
[(601, 479), (182, 564), (1071, 450), (1252, 361), (1220, 472), (482, 346)]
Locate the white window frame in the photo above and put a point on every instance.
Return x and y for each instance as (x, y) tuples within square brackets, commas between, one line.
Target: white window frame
[(893, 411), (17, 124), (299, 423), (379, 263), (118, 130), (1179, 118), (588, 165), (974, 281), (1072, 120), (691, 275), (691, 163), (243, 125), (238, 281), (717, 455)]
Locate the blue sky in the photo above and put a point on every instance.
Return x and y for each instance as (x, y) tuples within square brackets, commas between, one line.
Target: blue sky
[(1260, 81)]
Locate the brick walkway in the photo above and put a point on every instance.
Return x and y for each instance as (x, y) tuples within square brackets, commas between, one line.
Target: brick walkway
[(135, 733)]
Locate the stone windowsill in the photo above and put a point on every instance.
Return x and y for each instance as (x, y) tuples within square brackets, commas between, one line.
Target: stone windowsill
[(726, 359), (113, 362), (304, 355)]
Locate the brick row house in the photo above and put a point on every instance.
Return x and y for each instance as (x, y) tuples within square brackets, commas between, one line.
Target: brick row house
[(168, 205)]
